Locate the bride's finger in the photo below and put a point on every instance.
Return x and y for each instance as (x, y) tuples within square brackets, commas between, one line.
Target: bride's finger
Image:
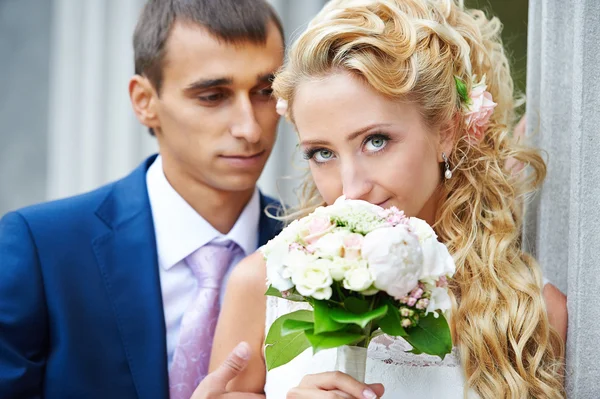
[(312, 393), (333, 380)]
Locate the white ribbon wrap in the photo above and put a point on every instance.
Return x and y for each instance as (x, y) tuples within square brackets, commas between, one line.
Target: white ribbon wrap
[(352, 360)]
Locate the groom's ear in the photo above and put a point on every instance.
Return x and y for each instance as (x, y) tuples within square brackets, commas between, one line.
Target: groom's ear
[(144, 101)]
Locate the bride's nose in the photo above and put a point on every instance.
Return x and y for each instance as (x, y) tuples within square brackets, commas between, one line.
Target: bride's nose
[(355, 181)]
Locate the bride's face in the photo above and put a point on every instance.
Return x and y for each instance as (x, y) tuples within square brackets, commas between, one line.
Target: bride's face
[(366, 146)]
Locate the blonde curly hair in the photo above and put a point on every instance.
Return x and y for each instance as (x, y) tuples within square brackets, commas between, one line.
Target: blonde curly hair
[(412, 50)]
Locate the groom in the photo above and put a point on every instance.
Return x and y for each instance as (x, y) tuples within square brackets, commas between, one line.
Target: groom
[(114, 293)]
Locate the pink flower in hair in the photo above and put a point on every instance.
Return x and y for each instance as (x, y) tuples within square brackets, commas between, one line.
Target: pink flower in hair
[(478, 111)]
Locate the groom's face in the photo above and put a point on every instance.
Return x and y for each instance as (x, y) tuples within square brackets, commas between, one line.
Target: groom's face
[(216, 118)]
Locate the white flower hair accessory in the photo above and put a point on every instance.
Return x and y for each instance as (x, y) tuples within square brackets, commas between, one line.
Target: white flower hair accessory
[(477, 107), (281, 107)]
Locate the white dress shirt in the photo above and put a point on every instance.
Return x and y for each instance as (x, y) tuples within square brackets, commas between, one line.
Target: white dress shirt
[(180, 230)]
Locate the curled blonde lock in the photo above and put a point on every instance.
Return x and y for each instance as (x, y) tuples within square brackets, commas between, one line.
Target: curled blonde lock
[(411, 50)]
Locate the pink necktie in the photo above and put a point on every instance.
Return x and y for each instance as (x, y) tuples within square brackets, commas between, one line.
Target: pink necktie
[(190, 359)]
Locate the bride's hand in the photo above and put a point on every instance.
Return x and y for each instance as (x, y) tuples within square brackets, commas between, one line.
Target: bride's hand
[(334, 385)]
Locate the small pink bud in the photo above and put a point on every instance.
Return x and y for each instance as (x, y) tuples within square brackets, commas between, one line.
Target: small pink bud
[(422, 303), (411, 301)]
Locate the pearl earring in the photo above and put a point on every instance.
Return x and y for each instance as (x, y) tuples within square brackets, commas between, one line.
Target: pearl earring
[(448, 172)]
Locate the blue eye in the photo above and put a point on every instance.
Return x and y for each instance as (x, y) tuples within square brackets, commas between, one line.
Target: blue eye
[(376, 143), (322, 156)]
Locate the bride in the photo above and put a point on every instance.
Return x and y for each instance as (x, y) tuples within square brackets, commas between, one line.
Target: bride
[(408, 103)]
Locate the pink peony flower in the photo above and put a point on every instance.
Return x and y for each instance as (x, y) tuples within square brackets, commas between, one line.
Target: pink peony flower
[(352, 244), (281, 107), (479, 111), (317, 228)]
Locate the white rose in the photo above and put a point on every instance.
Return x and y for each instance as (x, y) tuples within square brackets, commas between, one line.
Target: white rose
[(440, 300), (331, 245), (358, 279), (437, 261), (314, 279), (277, 274), (339, 266), (395, 259), (297, 259)]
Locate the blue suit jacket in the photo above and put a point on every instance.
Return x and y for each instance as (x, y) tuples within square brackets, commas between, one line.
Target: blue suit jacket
[(80, 302)]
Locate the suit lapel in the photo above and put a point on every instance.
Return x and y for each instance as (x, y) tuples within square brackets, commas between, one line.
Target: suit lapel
[(267, 226), (127, 258)]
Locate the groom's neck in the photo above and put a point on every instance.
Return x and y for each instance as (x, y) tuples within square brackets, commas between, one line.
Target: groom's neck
[(220, 208)]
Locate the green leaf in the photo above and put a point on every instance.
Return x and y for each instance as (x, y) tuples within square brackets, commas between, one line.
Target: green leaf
[(356, 305), (280, 348), (291, 326), (431, 336), (391, 323), (347, 317), (294, 296), (461, 87), (330, 340), (323, 320)]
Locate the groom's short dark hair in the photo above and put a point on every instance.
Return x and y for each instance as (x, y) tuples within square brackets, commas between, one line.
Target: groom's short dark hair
[(233, 21)]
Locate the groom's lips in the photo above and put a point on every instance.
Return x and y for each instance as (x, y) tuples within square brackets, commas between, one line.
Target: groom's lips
[(244, 160)]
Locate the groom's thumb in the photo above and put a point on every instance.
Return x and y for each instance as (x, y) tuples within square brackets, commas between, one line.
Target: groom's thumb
[(231, 368)]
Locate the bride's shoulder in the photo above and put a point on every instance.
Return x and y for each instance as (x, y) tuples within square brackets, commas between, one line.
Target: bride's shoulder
[(249, 274)]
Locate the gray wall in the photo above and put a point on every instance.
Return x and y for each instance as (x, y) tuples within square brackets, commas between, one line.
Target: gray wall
[(563, 110), (24, 62)]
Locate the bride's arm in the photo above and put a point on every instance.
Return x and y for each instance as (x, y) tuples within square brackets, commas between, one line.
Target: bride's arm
[(242, 318), (556, 306)]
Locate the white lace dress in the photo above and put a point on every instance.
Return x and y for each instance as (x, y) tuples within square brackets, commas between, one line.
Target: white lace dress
[(403, 374)]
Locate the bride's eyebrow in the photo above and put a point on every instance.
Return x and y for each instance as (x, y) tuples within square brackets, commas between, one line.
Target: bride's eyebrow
[(365, 129), (350, 137)]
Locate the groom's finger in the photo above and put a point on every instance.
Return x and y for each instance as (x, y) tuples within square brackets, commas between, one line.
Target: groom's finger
[(231, 368)]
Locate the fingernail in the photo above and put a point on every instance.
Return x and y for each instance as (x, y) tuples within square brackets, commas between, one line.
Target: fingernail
[(368, 394), (243, 351)]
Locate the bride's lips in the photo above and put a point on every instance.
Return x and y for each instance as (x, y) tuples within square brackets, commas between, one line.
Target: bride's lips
[(382, 204), (244, 160)]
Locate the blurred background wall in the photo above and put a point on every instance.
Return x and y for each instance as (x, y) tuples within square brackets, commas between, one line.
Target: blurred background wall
[(66, 122), (66, 125), (24, 98)]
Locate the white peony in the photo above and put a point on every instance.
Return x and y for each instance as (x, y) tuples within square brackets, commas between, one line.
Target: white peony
[(313, 279), (395, 259), (358, 279), (440, 300), (437, 261)]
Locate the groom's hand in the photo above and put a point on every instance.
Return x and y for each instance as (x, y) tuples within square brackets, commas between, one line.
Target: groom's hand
[(214, 386)]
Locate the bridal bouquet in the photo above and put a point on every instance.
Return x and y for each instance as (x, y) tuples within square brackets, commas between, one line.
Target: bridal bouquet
[(365, 271)]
